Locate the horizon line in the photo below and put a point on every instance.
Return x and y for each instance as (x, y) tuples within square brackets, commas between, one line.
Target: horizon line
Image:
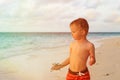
[(58, 32)]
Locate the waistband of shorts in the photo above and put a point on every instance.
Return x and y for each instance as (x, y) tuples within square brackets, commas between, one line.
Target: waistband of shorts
[(76, 73)]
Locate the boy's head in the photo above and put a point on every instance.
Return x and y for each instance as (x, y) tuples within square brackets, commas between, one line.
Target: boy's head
[(79, 27)]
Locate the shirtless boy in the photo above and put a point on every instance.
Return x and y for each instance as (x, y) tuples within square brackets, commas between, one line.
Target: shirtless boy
[(80, 50)]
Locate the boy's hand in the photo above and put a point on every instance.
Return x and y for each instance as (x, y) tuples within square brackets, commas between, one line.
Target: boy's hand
[(56, 66)]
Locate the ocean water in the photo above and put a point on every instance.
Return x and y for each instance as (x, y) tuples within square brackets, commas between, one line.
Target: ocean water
[(14, 44)]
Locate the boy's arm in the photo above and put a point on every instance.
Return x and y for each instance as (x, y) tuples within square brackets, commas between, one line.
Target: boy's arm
[(59, 66), (64, 63), (92, 55)]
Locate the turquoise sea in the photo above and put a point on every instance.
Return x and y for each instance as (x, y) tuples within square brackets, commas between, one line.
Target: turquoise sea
[(14, 44)]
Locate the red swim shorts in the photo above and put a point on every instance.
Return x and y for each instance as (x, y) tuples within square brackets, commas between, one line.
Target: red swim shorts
[(83, 76)]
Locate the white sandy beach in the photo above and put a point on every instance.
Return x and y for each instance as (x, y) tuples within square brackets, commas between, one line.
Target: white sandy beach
[(108, 57), (35, 66)]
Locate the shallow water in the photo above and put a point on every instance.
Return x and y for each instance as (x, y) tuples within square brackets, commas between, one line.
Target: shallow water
[(13, 44)]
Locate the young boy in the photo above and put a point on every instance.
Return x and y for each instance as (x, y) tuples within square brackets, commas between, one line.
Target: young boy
[(80, 50)]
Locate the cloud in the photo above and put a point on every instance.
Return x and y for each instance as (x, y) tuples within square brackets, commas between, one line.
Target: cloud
[(92, 15), (6, 2), (113, 17), (53, 13), (42, 2), (31, 14), (92, 3), (35, 9), (110, 4), (18, 8)]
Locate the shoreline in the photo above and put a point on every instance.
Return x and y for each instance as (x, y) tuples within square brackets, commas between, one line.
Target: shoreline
[(35, 66)]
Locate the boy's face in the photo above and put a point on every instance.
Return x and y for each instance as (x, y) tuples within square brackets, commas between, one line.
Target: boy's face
[(77, 31)]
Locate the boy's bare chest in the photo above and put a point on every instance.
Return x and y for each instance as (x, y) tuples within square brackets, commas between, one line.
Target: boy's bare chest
[(78, 50), (81, 49)]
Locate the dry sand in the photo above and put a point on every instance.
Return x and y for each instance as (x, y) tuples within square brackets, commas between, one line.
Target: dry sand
[(36, 66), (108, 57)]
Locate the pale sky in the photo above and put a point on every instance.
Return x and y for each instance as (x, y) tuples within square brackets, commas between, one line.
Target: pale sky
[(56, 15)]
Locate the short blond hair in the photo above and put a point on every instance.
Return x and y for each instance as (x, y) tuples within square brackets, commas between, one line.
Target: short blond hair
[(81, 22)]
